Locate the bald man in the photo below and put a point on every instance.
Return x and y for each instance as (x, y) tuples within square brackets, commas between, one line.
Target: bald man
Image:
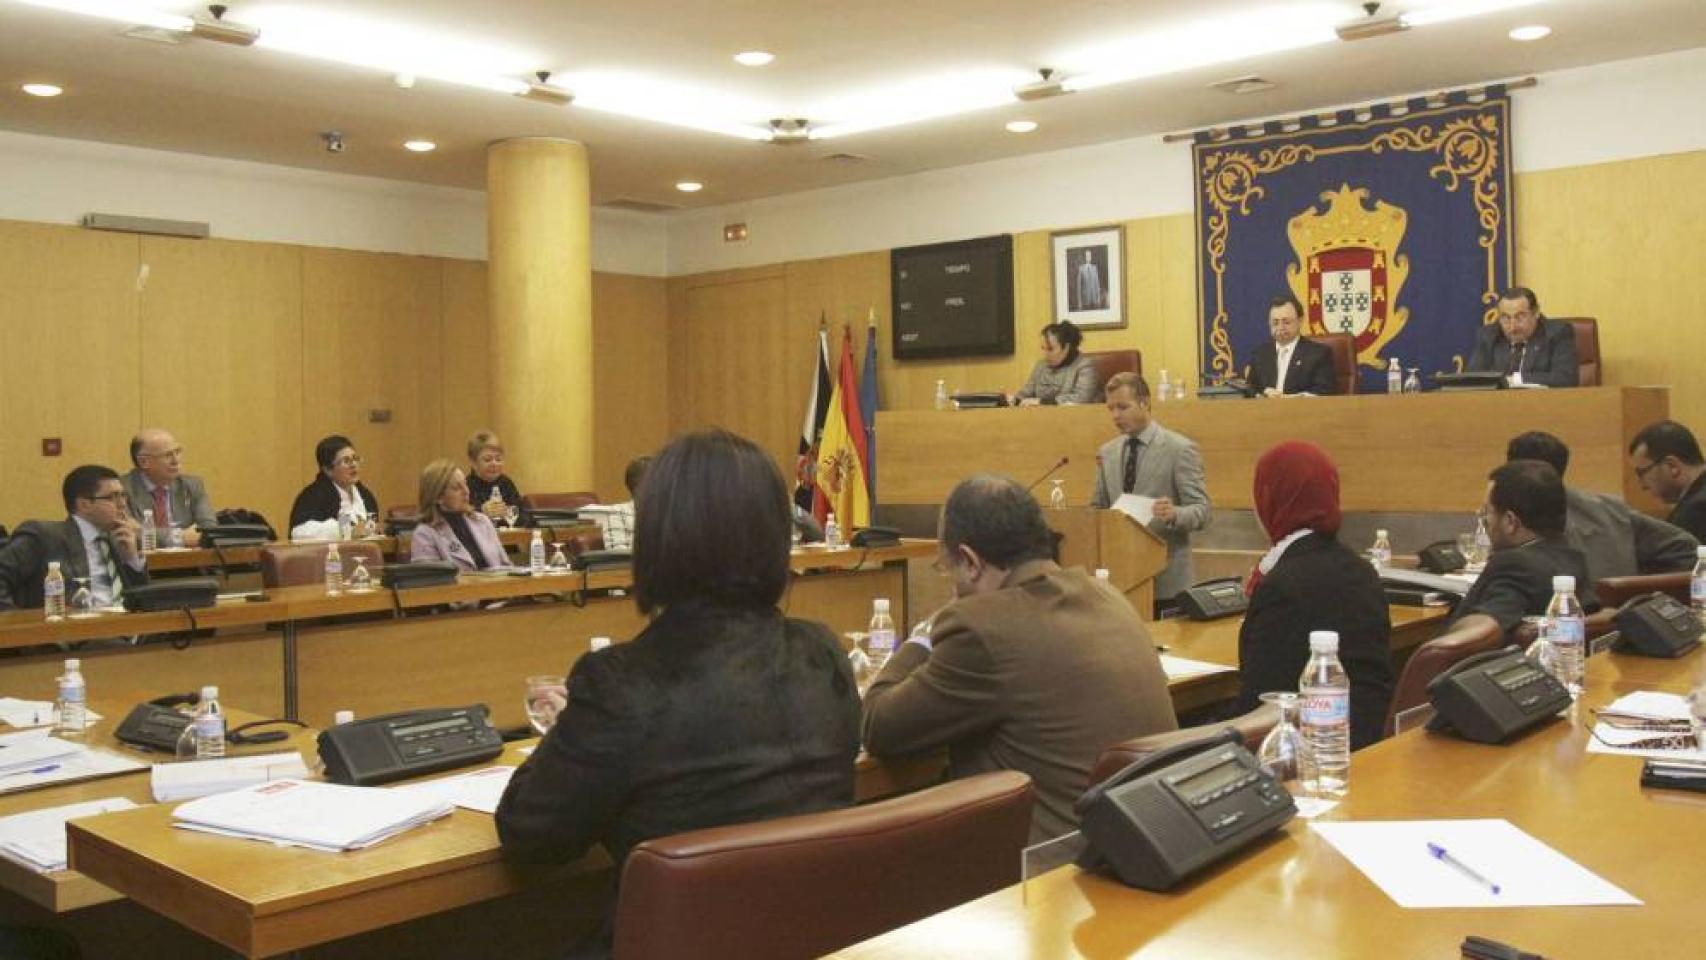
[(158, 483)]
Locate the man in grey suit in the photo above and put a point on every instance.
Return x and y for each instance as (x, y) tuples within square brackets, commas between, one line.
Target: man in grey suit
[(158, 483), (1031, 668), (1526, 347), (98, 541), (1615, 539), (1151, 461)]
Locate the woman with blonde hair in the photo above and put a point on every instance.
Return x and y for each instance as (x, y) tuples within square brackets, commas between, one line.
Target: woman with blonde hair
[(490, 490), (450, 528)]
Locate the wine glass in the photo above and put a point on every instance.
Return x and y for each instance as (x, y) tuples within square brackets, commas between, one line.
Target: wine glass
[(512, 513), (546, 697), (559, 560), (1057, 495), (83, 601), (1283, 753)]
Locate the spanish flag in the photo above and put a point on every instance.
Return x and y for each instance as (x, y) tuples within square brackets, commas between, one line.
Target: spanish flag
[(841, 453)]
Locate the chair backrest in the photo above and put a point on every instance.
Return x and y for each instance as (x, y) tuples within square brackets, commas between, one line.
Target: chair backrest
[(1252, 726), (1614, 592), (300, 564), (558, 501), (408, 512), (584, 541), (1437, 656), (1109, 362), (780, 888), (1587, 348), (1344, 350)]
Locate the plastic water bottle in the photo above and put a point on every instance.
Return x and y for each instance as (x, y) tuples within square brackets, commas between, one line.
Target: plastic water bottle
[(73, 702), (1394, 377), (831, 532), (1381, 553), (1483, 541), (204, 738), (536, 554), (150, 536), (1326, 691), (879, 640), (598, 643), (1697, 585), (53, 593), (334, 571), (1566, 632), (1164, 389), (360, 580), (942, 401), (346, 523)]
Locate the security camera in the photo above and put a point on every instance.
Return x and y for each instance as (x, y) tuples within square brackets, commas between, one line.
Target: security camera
[(334, 141)]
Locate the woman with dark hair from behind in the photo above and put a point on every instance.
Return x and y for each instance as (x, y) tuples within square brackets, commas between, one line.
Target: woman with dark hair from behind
[(1063, 375), (1310, 581), (722, 710)]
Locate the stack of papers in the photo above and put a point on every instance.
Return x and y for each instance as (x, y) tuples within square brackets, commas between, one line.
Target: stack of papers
[(1141, 509), (479, 791), (28, 752), (1178, 668), (1660, 707), (35, 713), (37, 839), (201, 778), (320, 816)]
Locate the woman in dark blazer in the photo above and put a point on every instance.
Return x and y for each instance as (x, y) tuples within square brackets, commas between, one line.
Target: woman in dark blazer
[(1310, 581), (486, 475), (337, 488), (722, 710)]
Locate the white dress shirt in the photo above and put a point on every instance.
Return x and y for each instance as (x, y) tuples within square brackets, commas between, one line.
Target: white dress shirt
[(1282, 363)]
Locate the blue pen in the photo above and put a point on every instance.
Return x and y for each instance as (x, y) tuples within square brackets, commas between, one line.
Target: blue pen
[(1439, 853)]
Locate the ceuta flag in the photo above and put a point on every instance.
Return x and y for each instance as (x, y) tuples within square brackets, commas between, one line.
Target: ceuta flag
[(806, 493), (841, 474)]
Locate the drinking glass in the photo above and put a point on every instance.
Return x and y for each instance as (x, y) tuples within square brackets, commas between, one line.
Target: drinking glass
[(1533, 632), (83, 601), (559, 560), (1466, 547), (512, 513), (546, 696), (1282, 753), (1057, 495)]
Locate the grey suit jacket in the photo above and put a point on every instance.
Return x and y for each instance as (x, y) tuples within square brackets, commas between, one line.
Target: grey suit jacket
[(1549, 359), (188, 495), (24, 560), (1171, 467), (1619, 541), (1039, 676)]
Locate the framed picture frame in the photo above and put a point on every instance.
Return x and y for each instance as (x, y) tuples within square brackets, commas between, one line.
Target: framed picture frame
[(1089, 276)]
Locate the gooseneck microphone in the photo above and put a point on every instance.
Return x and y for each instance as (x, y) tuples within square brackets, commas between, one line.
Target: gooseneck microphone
[(1063, 461)]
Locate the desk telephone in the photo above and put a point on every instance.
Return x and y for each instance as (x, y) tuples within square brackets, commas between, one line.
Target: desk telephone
[(1213, 599), (1494, 696), (1169, 815), (383, 749)]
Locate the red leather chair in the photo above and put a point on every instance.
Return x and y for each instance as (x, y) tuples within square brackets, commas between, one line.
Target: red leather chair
[(1437, 656), (301, 564), (558, 501), (1587, 348), (585, 541), (1344, 350), (1614, 592), (1252, 726), (804, 886), (1109, 362)]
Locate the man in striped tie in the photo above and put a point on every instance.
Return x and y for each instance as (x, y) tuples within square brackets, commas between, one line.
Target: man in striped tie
[(98, 543), (158, 483)]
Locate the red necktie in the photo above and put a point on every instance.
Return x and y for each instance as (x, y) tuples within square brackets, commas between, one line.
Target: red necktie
[(162, 518)]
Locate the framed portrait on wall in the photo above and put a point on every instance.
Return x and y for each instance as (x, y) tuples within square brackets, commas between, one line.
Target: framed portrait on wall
[(1089, 276)]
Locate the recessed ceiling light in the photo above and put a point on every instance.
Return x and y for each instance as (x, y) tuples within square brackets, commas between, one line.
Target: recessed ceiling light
[(689, 186), (754, 58), (1021, 126), (419, 146), (43, 90), (1534, 32)]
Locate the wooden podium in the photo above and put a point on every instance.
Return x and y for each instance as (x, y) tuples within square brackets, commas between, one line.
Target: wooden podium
[(1132, 554)]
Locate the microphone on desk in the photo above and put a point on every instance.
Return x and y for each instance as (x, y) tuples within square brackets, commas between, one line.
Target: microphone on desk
[(1063, 461)]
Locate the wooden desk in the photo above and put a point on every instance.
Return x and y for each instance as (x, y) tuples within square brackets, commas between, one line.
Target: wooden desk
[(207, 558), (1427, 453), (1297, 897)]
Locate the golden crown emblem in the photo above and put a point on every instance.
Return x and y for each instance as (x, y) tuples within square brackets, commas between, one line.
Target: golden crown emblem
[(1347, 224)]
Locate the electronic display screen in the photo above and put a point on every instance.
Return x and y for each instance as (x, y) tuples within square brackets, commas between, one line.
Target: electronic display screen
[(431, 727), (1212, 779)]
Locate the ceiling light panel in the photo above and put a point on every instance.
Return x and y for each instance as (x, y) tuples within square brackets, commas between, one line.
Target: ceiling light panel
[(390, 47), (1202, 43), (660, 101), (1531, 32), (42, 89), (119, 11), (922, 98), (755, 58), (1444, 11)]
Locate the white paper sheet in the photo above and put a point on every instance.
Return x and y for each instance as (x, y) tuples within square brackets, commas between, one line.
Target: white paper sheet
[(322, 816), (479, 791), (1308, 808), (37, 839), (1178, 668), (1651, 703), (201, 778), (1394, 854), (82, 765), (35, 713), (1141, 509)]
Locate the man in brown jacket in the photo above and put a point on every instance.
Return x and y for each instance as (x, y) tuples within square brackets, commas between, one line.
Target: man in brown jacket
[(1032, 668)]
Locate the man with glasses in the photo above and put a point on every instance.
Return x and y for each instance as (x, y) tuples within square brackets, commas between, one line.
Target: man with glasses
[(1667, 462), (1526, 347), (157, 482), (1525, 515), (98, 543)]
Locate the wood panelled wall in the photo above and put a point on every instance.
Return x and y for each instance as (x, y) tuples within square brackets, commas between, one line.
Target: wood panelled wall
[(1619, 241), (250, 352)]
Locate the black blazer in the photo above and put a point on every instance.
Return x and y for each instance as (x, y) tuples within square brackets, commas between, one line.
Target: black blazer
[(710, 716), (1319, 584), (479, 491), (320, 501), (1550, 357), (1311, 369), (1517, 582), (24, 560), (1690, 511)]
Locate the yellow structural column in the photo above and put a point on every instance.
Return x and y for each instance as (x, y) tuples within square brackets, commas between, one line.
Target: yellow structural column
[(539, 279)]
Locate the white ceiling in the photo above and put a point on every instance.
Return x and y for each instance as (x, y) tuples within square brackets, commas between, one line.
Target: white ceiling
[(255, 104)]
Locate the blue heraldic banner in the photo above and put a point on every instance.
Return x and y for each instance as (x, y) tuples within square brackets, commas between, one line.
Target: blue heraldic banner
[(1392, 225)]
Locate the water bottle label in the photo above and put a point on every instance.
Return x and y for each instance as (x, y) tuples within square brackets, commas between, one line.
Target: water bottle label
[(1569, 631), (210, 726), (72, 692), (1326, 708), (53, 588), (881, 641), (1697, 589)]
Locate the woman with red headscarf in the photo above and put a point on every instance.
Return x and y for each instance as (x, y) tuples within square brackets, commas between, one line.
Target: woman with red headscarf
[(1311, 581)]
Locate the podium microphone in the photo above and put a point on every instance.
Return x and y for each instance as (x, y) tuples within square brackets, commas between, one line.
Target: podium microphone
[(1063, 461)]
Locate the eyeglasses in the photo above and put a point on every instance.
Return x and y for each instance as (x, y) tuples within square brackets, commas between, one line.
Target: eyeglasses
[(1642, 471), (118, 497), (173, 454), (347, 462)]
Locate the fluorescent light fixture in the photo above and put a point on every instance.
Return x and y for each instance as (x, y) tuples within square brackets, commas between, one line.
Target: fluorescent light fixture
[(678, 105), (1021, 126), (120, 11), (389, 48), (1532, 32), (923, 98), (42, 89), (1203, 43), (689, 186), (755, 58), (1447, 10), (419, 146)]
